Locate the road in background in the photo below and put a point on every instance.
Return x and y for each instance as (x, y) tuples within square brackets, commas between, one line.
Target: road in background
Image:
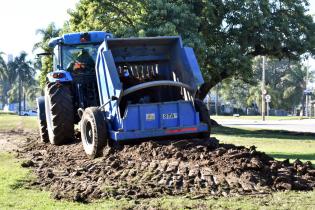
[(306, 125)]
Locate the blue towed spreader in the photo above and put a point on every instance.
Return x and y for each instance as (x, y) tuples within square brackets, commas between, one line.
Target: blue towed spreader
[(160, 103)]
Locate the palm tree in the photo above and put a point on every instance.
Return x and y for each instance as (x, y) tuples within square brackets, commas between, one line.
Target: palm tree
[(47, 33), (3, 67), (20, 77), (295, 82), (8, 74), (2, 62), (25, 75), (31, 91)]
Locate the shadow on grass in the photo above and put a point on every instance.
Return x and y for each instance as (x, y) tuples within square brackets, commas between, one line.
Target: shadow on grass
[(20, 183), (278, 134), (7, 113), (23, 182), (310, 157), (293, 157)]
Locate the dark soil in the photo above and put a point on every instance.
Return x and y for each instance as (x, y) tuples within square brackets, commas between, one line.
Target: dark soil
[(194, 168)]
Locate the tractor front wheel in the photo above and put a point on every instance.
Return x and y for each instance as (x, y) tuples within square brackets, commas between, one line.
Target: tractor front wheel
[(93, 132), (42, 119), (59, 113)]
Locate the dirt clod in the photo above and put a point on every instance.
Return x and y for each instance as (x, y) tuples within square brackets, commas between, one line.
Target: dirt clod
[(28, 163), (194, 168)]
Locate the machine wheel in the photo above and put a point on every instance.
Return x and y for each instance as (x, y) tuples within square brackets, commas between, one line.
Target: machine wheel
[(59, 113), (204, 116), (93, 132), (42, 119)]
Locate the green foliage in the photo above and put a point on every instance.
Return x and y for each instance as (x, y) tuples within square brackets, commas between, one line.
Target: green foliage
[(47, 33), (118, 17), (8, 75), (45, 64), (24, 75), (226, 35), (46, 67), (3, 76), (285, 83), (236, 92), (17, 78)]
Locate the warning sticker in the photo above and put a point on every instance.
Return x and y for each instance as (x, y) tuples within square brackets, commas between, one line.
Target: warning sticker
[(150, 116)]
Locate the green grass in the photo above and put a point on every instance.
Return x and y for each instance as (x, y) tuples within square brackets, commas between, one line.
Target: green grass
[(221, 117), (15, 122), (279, 144), (14, 195)]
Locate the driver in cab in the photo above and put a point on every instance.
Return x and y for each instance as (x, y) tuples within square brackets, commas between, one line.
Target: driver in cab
[(84, 62)]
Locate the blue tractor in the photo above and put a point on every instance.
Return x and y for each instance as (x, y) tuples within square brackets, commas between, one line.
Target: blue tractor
[(121, 90)]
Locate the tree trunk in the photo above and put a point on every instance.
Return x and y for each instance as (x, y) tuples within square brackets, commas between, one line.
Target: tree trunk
[(3, 102), (24, 101), (302, 111), (4, 98), (204, 89), (217, 100), (20, 95)]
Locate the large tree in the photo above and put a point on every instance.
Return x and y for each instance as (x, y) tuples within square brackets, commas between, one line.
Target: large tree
[(226, 35)]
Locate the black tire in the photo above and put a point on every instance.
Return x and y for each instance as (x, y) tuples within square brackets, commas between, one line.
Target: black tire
[(42, 119), (204, 116), (93, 132), (59, 113)]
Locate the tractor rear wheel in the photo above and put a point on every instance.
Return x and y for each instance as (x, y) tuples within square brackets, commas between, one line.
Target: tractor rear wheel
[(204, 116), (93, 132), (59, 113), (42, 119)]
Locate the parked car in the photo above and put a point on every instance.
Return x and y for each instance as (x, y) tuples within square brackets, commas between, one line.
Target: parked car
[(29, 113)]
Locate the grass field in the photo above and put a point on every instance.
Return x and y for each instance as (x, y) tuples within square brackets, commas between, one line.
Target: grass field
[(13, 121), (221, 117), (281, 145)]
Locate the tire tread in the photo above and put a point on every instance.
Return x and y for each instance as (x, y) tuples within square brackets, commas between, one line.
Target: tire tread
[(61, 112)]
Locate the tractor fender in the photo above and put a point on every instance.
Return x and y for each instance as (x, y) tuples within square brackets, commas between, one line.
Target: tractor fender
[(59, 76)]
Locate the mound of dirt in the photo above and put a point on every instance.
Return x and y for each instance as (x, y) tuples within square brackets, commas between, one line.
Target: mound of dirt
[(194, 168)]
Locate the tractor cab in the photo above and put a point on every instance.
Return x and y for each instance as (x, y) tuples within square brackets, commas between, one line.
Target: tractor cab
[(74, 61), (76, 48)]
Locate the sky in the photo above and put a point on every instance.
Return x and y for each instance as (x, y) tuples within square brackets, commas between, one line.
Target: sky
[(19, 20)]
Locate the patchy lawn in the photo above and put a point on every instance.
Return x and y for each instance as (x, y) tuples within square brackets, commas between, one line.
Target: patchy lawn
[(245, 117)]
